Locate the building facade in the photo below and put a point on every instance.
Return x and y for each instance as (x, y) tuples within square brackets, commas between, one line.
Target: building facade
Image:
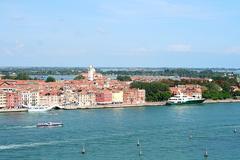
[(86, 99), (3, 100), (13, 99), (49, 99), (29, 98), (117, 97), (104, 97), (134, 96)]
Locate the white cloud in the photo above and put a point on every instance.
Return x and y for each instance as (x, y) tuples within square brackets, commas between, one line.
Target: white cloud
[(234, 50), (141, 50), (6, 51), (138, 51), (116, 10), (179, 48), (18, 45), (11, 48), (18, 18), (101, 30), (154, 9)]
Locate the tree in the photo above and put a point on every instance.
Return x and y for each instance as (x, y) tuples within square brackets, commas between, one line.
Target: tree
[(7, 76), (23, 76), (213, 87), (236, 94), (124, 78), (50, 79), (155, 91), (214, 91), (79, 77)]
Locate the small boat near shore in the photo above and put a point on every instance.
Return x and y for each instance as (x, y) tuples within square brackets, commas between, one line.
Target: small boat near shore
[(50, 124)]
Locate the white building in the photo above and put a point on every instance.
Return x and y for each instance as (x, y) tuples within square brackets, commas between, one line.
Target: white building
[(91, 72), (30, 98), (86, 99)]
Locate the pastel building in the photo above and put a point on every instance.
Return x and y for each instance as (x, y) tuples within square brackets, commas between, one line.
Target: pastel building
[(134, 96), (13, 99), (117, 97), (49, 99), (86, 99), (3, 100), (93, 89), (68, 97), (104, 97)]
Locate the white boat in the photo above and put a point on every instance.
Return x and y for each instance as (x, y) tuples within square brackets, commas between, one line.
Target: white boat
[(50, 124), (38, 108), (184, 99)]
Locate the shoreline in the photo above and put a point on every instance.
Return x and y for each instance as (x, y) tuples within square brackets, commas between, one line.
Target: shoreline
[(162, 103), (147, 104), (209, 101), (5, 110)]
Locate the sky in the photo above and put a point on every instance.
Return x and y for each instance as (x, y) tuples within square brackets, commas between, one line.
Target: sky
[(120, 33)]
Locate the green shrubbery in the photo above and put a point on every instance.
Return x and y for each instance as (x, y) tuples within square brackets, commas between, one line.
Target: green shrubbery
[(216, 95), (124, 78), (50, 79), (79, 77), (23, 76), (155, 91), (220, 88)]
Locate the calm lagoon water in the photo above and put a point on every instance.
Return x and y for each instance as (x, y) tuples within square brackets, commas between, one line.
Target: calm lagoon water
[(57, 77), (111, 134)]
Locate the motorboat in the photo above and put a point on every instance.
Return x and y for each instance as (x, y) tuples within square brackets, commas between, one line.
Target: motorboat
[(50, 124)]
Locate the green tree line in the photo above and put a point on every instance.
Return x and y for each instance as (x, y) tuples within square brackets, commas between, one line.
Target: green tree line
[(155, 91), (124, 78)]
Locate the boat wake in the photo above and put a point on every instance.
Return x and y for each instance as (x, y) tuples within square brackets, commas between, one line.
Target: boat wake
[(232, 125), (34, 126), (28, 145), (17, 127)]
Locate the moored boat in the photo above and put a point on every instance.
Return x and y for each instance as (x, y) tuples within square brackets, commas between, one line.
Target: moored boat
[(184, 99), (39, 108)]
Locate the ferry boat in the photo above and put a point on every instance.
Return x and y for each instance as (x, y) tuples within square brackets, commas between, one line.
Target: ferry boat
[(184, 99), (38, 108), (50, 124)]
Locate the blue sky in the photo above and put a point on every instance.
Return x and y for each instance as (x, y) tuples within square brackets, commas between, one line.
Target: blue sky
[(127, 33)]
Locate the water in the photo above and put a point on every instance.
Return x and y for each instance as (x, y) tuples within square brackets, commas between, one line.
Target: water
[(57, 77), (112, 134)]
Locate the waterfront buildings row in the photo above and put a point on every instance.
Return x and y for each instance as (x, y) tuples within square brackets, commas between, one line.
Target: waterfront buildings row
[(94, 89)]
